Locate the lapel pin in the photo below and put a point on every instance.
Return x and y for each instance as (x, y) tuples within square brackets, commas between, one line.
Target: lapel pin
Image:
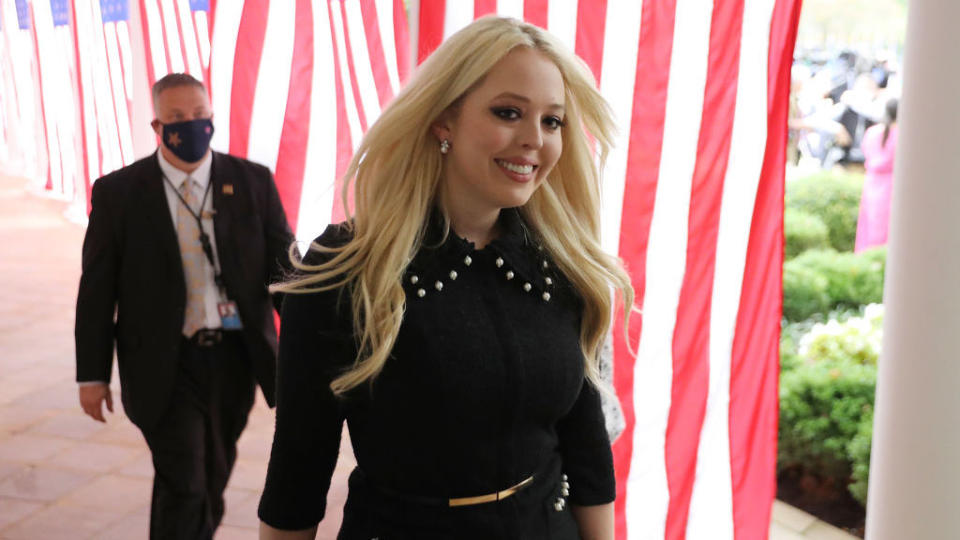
[(228, 189)]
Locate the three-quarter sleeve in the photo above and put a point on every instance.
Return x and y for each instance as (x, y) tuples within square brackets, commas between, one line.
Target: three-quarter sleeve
[(315, 345), (585, 449)]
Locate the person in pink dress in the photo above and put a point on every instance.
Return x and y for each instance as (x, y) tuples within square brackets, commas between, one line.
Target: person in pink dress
[(879, 146)]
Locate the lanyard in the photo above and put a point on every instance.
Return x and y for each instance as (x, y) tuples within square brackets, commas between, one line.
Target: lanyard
[(204, 237)]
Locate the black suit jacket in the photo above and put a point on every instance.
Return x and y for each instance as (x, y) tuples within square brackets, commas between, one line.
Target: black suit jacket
[(133, 292)]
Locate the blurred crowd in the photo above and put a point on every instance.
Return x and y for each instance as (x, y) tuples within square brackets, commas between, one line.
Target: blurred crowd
[(835, 97)]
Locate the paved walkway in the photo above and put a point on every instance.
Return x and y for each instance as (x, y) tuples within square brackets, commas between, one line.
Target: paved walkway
[(64, 476)]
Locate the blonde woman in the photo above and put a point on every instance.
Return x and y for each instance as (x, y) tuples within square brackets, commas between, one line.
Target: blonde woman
[(455, 322)]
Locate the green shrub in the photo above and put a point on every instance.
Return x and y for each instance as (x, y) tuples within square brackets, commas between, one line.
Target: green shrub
[(803, 231), (790, 336), (822, 405), (804, 292), (877, 256), (858, 450), (835, 198), (852, 280), (856, 339)]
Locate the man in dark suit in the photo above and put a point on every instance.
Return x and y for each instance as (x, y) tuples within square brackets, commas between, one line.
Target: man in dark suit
[(178, 254)]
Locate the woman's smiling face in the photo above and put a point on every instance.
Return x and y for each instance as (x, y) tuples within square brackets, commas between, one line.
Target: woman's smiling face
[(505, 135)]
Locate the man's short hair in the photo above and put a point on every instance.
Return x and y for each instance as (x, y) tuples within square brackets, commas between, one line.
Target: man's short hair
[(173, 80)]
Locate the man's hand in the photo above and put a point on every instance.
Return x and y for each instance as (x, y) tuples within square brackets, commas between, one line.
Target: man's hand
[(92, 397)]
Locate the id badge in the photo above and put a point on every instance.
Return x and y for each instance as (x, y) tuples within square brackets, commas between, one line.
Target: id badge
[(229, 315)]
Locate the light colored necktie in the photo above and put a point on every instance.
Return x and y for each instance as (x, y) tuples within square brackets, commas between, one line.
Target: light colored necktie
[(191, 253)]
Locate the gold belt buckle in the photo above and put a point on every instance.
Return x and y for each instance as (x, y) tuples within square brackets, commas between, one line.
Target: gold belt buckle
[(491, 497)]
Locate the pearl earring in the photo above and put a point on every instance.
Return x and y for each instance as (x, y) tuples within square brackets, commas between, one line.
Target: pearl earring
[(444, 146)]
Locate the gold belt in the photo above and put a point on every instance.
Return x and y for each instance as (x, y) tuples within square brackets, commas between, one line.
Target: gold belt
[(491, 497)]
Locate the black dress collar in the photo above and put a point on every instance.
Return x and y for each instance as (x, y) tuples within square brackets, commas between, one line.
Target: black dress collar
[(516, 251)]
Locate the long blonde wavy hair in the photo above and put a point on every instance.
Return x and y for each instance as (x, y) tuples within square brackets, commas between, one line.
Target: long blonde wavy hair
[(395, 175)]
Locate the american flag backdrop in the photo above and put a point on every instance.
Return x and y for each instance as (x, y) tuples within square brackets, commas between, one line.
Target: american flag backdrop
[(58, 85), (24, 116), (104, 62), (177, 37), (692, 194), (295, 84)]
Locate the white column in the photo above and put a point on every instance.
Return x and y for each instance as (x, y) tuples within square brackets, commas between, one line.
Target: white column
[(915, 469)]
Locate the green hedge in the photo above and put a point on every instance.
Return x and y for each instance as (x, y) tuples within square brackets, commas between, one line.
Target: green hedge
[(857, 339), (803, 231), (834, 197), (822, 407), (858, 449), (851, 281), (804, 292)]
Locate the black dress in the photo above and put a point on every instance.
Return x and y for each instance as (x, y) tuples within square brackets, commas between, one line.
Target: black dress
[(484, 388)]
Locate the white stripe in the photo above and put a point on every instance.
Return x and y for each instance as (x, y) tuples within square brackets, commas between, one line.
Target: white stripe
[(43, 26), (562, 22), (84, 28), (351, 106), (617, 79), (510, 8), (456, 16), (123, 39), (361, 62), (106, 115), (155, 31), (711, 505), (647, 491), (66, 120), (119, 93), (189, 40), (413, 23), (388, 40), (273, 85), (7, 129), (173, 36), (223, 49), (203, 38), (19, 45), (320, 168)]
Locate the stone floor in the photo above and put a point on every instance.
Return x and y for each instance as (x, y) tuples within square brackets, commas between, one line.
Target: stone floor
[(65, 476)]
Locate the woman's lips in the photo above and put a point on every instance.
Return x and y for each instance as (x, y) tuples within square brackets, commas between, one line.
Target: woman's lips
[(516, 171)]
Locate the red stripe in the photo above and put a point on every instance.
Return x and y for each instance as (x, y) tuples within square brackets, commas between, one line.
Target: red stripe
[(145, 28), (378, 62), (432, 15), (48, 185), (344, 143), (246, 66), (401, 38), (654, 50), (754, 366), (80, 94), (484, 7), (351, 64), (292, 153), (591, 24), (691, 337), (535, 12), (183, 41)]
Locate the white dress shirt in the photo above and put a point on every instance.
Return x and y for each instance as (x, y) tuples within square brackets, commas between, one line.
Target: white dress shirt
[(200, 179)]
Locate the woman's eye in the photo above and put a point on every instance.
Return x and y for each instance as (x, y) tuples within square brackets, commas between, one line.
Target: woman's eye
[(506, 113), (553, 122)]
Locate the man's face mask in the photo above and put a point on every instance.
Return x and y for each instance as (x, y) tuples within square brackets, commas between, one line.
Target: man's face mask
[(188, 140)]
